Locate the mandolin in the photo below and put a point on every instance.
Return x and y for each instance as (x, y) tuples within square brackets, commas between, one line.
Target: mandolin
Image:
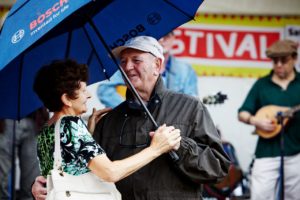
[(271, 112)]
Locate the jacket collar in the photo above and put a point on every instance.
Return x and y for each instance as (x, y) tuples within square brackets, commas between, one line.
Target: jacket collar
[(155, 98)]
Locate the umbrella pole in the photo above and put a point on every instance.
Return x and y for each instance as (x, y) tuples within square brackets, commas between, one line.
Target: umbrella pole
[(172, 153)]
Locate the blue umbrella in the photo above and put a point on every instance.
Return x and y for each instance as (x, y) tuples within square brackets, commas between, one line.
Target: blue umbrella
[(34, 33)]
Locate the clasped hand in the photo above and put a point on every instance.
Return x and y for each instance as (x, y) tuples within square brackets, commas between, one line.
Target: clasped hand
[(165, 138)]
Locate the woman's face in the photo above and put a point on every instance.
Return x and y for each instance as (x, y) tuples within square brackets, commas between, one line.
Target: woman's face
[(79, 104)]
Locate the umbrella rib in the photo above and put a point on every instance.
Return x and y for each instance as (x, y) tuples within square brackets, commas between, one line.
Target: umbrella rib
[(94, 50), (19, 87), (89, 60), (23, 4), (68, 44), (174, 6)]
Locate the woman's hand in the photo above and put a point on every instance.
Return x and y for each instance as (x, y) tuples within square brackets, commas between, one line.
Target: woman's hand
[(165, 138), (95, 117)]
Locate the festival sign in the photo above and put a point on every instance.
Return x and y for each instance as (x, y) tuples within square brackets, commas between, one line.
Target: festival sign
[(292, 32), (223, 45)]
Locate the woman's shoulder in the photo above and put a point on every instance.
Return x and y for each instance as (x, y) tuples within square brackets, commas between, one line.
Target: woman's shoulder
[(73, 121)]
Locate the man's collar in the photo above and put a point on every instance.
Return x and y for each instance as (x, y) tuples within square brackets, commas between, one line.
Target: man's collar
[(155, 98)]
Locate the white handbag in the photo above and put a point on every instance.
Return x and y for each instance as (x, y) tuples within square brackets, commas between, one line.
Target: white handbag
[(63, 186)]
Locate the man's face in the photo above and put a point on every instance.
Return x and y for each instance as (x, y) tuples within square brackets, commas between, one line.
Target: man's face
[(283, 66), (141, 68)]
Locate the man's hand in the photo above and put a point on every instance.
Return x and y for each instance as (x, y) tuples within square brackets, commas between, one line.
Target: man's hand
[(95, 117), (263, 124), (38, 189), (259, 123)]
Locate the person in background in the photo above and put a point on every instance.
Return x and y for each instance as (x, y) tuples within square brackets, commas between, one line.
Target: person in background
[(25, 147), (61, 86), (281, 88), (177, 76), (122, 132)]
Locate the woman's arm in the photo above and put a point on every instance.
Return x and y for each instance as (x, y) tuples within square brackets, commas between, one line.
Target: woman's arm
[(163, 140)]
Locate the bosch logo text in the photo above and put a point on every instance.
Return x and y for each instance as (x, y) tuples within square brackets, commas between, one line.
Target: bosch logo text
[(47, 14), (135, 31)]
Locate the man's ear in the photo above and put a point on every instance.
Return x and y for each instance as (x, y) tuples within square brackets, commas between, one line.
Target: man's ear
[(65, 99), (158, 66)]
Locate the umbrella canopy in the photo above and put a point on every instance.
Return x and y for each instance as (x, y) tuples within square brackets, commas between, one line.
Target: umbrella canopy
[(36, 33)]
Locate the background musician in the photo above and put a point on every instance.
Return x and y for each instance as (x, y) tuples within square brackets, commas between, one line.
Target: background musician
[(280, 88)]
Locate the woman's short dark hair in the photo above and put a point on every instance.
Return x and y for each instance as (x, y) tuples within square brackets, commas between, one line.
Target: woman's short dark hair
[(58, 78)]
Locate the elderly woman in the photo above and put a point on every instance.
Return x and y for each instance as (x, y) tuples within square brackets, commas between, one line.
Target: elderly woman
[(61, 86)]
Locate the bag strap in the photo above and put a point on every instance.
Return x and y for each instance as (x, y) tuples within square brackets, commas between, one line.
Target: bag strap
[(57, 153)]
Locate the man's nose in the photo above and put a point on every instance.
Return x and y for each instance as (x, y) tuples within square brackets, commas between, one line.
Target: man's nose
[(127, 66)]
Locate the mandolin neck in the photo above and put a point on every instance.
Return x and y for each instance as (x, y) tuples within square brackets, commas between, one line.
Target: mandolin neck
[(291, 111)]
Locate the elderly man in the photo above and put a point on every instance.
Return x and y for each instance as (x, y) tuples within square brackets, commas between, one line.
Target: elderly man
[(279, 88), (123, 131)]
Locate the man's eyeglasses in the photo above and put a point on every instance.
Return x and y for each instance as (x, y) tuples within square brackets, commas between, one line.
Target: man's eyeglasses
[(283, 60), (130, 139)]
